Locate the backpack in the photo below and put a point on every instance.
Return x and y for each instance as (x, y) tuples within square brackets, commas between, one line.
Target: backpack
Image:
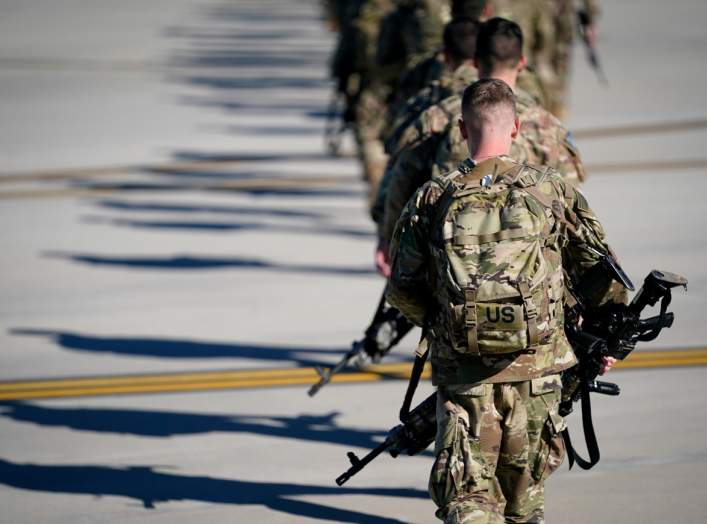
[(497, 260)]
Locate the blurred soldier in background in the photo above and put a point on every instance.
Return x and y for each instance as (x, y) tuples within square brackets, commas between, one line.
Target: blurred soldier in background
[(549, 27), (438, 146), (382, 38)]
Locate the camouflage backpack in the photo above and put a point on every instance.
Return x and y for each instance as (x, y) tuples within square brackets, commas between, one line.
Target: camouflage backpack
[(497, 261)]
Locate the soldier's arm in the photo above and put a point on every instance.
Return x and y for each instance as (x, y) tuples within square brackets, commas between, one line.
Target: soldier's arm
[(584, 248), (412, 165), (408, 286), (412, 134), (411, 170), (569, 161)]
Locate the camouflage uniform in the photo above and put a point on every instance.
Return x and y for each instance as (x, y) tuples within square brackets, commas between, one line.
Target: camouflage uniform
[(434, 145), (548, 31), (402, 135), (390, 33), (498, 435), (448, 84)]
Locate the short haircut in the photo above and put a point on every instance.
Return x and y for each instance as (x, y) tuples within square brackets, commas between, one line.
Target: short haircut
[(500, 43), (485, 96), (460, 39), (468, 8)]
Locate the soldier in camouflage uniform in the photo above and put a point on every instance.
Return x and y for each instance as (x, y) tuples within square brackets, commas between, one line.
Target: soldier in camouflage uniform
[(435, 142), (549, 27), (387, 35), (495, 235), (459, 49)]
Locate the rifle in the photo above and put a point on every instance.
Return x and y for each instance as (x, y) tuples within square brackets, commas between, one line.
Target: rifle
[(611, 330), (592, 53), (386, 329), (411, 437)]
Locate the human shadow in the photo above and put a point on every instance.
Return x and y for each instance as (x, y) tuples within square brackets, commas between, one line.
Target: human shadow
[(162, 207), (229, 227), (148, 486), (188, 263), (311, 109), (185, 185), (148, 423), (178, 349)]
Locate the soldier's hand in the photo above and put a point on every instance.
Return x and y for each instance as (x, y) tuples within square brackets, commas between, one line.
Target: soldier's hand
[(590, 35), (382, 259), (606, 364)]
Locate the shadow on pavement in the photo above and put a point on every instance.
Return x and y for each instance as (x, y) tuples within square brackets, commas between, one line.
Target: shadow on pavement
[(170, 348), (232, 227), (319, 428), (162, 207), (148, 486), (293, 191), (188, 262)]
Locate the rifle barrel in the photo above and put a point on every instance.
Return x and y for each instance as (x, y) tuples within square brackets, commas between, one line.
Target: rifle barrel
[(358, 464)]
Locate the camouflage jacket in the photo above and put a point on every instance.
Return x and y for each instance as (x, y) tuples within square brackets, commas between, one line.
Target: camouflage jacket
[(410, 32), (434, 145), (411, 287), (448, 84)]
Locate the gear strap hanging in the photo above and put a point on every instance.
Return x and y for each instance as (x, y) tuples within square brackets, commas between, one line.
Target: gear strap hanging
[(590, 437), (417, 368)]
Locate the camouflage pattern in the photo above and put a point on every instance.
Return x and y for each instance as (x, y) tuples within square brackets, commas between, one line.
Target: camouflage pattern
[(433, 145), (499, 285), (414, 160), (549, 27), (496, 445), (449, 83), (412, 288), (364, 88), (543, 140), (400, 137), (410, 32), (426, 71)]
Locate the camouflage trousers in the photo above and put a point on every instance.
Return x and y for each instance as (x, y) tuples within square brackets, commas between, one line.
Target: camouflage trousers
[(496, 444)]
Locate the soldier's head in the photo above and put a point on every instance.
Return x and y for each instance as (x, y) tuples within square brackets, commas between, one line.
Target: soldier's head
[(489, 122), (474, 9), (460, 41), (499, 48)]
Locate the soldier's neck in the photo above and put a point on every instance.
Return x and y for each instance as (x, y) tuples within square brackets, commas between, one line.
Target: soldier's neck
[(509, 76), (490, 149)]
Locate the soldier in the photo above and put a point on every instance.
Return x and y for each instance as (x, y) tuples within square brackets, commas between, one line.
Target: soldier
[(433, 66), (549, 27), (438, 145), (459, 51), (479, 258)]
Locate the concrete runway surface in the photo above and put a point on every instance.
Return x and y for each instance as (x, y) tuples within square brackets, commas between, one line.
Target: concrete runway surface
[(171, 225)]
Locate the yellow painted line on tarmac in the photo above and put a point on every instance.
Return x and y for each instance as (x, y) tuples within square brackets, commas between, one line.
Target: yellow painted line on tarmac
[(196, 381), (262, 378)]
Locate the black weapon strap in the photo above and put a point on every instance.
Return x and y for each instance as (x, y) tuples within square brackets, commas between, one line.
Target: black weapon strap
[(417, 368), (590, 437)]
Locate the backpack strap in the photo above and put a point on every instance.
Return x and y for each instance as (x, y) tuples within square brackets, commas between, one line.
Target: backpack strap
[(470, 321), (531, 311)]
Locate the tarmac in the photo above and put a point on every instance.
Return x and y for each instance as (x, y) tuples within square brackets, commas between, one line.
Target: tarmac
[(179, 253)]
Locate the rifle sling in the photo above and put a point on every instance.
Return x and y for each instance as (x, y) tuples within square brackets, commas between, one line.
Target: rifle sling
[(415, 375), (590, 437)]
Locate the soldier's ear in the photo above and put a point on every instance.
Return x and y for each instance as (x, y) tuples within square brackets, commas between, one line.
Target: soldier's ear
[(462, 128), (516, 128), (521, 64)]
